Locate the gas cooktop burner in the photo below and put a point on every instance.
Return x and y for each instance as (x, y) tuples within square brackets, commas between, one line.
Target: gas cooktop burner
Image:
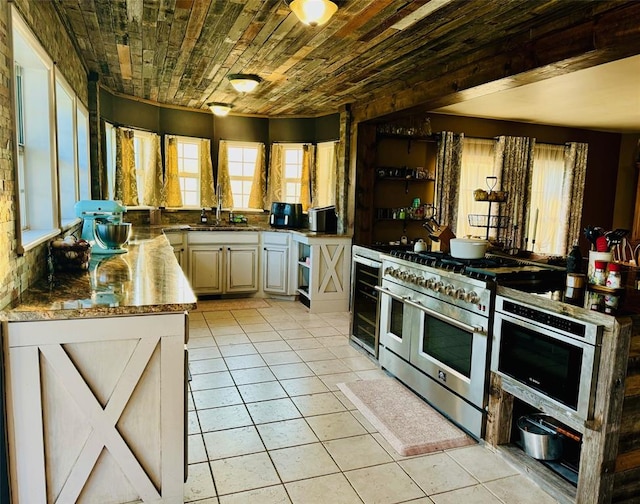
[(503, 270), (444, 261)]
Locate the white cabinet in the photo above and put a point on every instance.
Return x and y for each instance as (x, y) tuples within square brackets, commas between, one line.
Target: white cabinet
[(205, 267), (275, 263), (179, 244), (323, 271), (95, 409), (241, 263), (223, 262)]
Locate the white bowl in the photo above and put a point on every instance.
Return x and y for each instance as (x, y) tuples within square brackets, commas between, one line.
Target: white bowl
[(468, 248)]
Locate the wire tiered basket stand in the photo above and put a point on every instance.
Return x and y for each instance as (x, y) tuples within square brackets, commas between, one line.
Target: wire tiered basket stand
[(491, 196)]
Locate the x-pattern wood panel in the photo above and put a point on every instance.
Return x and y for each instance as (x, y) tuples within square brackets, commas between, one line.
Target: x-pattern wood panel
[(103, 421)]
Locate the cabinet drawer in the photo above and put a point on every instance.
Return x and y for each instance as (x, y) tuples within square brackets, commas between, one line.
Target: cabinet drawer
[(221, 237), (271, 238), (175, 238)]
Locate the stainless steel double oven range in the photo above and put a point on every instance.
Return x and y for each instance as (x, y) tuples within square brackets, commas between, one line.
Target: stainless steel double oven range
[(434, 334)]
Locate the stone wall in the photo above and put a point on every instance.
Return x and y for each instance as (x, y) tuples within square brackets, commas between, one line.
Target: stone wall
[(18, 272)]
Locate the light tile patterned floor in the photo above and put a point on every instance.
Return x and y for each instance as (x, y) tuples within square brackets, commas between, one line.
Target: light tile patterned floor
[(268, 425)]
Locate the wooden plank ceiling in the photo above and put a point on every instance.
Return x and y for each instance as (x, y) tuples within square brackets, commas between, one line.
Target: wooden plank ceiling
[(179, 52)]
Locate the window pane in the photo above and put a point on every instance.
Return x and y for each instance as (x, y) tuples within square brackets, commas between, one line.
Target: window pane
[(190, 165), (83, 154), (190, 199), (292, 171), (236, 187), (190, 184), (190, 150), (291, 156), (235, 154), (235, 169)]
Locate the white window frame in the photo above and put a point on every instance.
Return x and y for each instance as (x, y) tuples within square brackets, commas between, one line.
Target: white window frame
[(292, 185), (245, 180), (38, 218), (184, 175), (83, 140), (67, 155), (110, 150)]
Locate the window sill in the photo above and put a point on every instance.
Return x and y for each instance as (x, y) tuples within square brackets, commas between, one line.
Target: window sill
[(69, 223), (34, 237)]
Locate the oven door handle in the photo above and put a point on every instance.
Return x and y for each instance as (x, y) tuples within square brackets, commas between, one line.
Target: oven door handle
[(386, 291), (445, 318)]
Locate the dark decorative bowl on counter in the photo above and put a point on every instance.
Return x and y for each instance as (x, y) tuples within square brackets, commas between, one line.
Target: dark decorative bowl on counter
[(111, 235), (70, 255)]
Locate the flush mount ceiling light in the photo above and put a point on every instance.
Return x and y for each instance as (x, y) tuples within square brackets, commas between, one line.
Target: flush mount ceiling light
[(313, 12), (244, 83), (220, 109)]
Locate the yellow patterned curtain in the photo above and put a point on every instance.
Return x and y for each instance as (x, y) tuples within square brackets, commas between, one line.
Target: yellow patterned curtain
[(207, 191), (126, 190), (275, 174), (224, 194), (259, 183), (172, 181), (153, 177), (308, 161)]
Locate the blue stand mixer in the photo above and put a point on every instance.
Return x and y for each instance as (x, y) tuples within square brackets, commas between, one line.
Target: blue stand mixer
[(96, 212)]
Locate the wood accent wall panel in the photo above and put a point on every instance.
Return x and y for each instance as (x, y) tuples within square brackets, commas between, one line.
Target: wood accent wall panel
[(95, 409)]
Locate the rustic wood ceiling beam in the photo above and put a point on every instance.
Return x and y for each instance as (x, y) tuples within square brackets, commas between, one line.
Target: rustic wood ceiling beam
[(587, 44)]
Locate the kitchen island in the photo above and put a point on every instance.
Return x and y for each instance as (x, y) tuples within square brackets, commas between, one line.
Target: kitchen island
[(609, 462), (94, 368)]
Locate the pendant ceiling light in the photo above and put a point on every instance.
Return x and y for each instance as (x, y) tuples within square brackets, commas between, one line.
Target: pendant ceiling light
[(244, 83), (220, 109), (313, 12)]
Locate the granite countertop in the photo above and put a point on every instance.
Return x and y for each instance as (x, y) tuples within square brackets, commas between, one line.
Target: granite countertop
[(147, 279)]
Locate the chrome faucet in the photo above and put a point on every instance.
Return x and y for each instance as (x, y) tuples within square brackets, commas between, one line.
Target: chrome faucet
[(219, 206)]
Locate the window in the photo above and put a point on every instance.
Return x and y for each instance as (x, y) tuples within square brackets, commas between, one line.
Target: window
[(65, 122), (22, 189), (144, 152), (242, 159), (325, 174), (292, 171), (49, 121), (110, 148), (477, 164), (189, 170), (84, 174), (547, 194), (35, 136)]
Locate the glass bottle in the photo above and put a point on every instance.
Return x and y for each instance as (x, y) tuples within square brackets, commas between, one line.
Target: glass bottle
[(599, 277), (574, 260), (614, 279)]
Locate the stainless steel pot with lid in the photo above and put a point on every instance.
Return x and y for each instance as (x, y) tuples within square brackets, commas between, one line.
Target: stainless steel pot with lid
[(539, 439)]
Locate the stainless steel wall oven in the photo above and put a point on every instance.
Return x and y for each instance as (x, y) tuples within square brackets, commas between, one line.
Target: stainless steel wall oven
[(547, 355)]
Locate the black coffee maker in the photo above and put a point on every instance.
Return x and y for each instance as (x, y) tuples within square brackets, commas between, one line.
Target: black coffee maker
[(286, 215)]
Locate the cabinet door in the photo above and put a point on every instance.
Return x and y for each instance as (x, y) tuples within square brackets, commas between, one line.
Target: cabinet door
[(180, 257), (275, 269), (242, 269), (205, 269)]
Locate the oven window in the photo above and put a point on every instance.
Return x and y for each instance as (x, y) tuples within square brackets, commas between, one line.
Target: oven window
[(544, 363), (447, 344), (397, 308)]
